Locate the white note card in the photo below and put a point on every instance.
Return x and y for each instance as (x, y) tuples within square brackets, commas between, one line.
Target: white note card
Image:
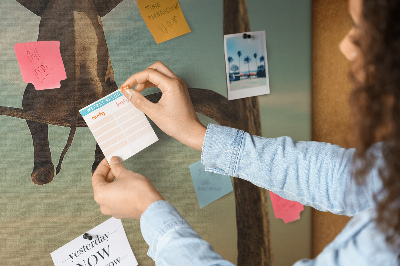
[(109, 247), (118, 126)]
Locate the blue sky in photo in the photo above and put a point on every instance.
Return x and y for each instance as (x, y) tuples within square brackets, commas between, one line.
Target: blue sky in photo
[(256, 44)]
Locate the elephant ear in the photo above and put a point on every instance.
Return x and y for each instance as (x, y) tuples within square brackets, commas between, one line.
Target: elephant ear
[(105, 6), (36, 6)]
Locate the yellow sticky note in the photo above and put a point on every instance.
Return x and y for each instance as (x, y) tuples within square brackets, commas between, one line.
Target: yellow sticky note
[(164, 18)]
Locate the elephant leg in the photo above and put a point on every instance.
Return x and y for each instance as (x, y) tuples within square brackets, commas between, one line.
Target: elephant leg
[(43, 170), (98, 157)]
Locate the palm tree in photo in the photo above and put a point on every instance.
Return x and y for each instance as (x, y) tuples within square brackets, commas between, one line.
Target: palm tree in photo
[(255, 60), (239, 55), (247, 60), (230, 60), (262, 71), (262, 59)]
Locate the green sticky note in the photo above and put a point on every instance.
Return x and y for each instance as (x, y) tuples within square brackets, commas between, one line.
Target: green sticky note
[(209, 186)]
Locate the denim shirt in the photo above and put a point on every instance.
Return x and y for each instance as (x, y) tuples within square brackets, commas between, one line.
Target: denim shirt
[(312, 173)]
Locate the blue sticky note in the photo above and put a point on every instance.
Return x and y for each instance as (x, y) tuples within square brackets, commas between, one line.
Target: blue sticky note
[(209, 186)]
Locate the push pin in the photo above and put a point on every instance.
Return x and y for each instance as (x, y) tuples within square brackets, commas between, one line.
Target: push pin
[(246, 36), (87, 236)]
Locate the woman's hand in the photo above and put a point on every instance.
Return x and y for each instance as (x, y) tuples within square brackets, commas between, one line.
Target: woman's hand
[(174, 113), (127, 197)]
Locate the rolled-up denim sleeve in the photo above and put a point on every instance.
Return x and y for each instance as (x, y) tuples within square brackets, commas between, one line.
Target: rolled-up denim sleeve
[(313, 173), (172, 241)]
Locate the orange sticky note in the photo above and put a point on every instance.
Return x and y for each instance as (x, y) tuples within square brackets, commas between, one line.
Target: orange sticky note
[(284, 209), (164, 18), (41, 64)]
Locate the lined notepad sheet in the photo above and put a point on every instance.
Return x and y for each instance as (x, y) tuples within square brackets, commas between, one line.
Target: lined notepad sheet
[(118, 126)]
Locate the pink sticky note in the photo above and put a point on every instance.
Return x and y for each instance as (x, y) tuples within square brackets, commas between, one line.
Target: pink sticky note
[(41, 64), (286, 210)]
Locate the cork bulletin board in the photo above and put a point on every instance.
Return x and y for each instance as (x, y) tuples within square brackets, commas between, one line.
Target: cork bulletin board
[(331, 90), (38, 219)]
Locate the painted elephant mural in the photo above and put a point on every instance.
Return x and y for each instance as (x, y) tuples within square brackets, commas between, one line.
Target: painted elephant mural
[(77, 25)]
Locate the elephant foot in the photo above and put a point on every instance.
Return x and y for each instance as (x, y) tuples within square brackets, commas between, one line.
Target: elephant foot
[(43, 173)]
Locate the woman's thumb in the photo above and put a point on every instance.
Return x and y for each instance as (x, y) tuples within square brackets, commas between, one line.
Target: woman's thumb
[(138, 100), (116, 166)]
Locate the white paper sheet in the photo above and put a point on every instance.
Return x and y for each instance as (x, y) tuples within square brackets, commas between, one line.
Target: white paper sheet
[(118, 126), (108, 247)]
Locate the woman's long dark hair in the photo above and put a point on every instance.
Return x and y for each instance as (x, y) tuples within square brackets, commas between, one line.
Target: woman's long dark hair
[(376, 107)]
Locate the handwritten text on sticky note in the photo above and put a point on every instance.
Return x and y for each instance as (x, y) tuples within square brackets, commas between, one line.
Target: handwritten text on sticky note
[(284, 209), (41, 64), (108, 246), (209, 186), (164, 18)]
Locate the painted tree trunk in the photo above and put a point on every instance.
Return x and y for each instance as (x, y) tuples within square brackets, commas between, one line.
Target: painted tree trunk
[(251, 201)]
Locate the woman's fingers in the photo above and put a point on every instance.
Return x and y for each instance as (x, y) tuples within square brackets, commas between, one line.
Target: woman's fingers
[(99, 176), (153, 76), (160, 67), (147, 78), (110, 177), (141, 103), (143, 86)]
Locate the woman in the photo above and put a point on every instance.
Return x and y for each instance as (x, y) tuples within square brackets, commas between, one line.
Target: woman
[(317, 174)]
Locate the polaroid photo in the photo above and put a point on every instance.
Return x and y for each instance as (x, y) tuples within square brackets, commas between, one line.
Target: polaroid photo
[(246, 65)]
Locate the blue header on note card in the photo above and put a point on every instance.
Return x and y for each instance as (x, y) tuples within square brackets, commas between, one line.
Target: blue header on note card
[(93, 107)]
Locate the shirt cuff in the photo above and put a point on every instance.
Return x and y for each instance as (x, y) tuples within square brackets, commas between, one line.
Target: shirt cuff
[(158, 219), (221, 150)]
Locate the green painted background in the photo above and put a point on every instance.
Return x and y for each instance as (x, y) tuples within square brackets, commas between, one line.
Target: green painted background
[(36, 220)]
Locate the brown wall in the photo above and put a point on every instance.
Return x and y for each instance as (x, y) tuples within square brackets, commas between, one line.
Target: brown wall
[(331, 88)]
